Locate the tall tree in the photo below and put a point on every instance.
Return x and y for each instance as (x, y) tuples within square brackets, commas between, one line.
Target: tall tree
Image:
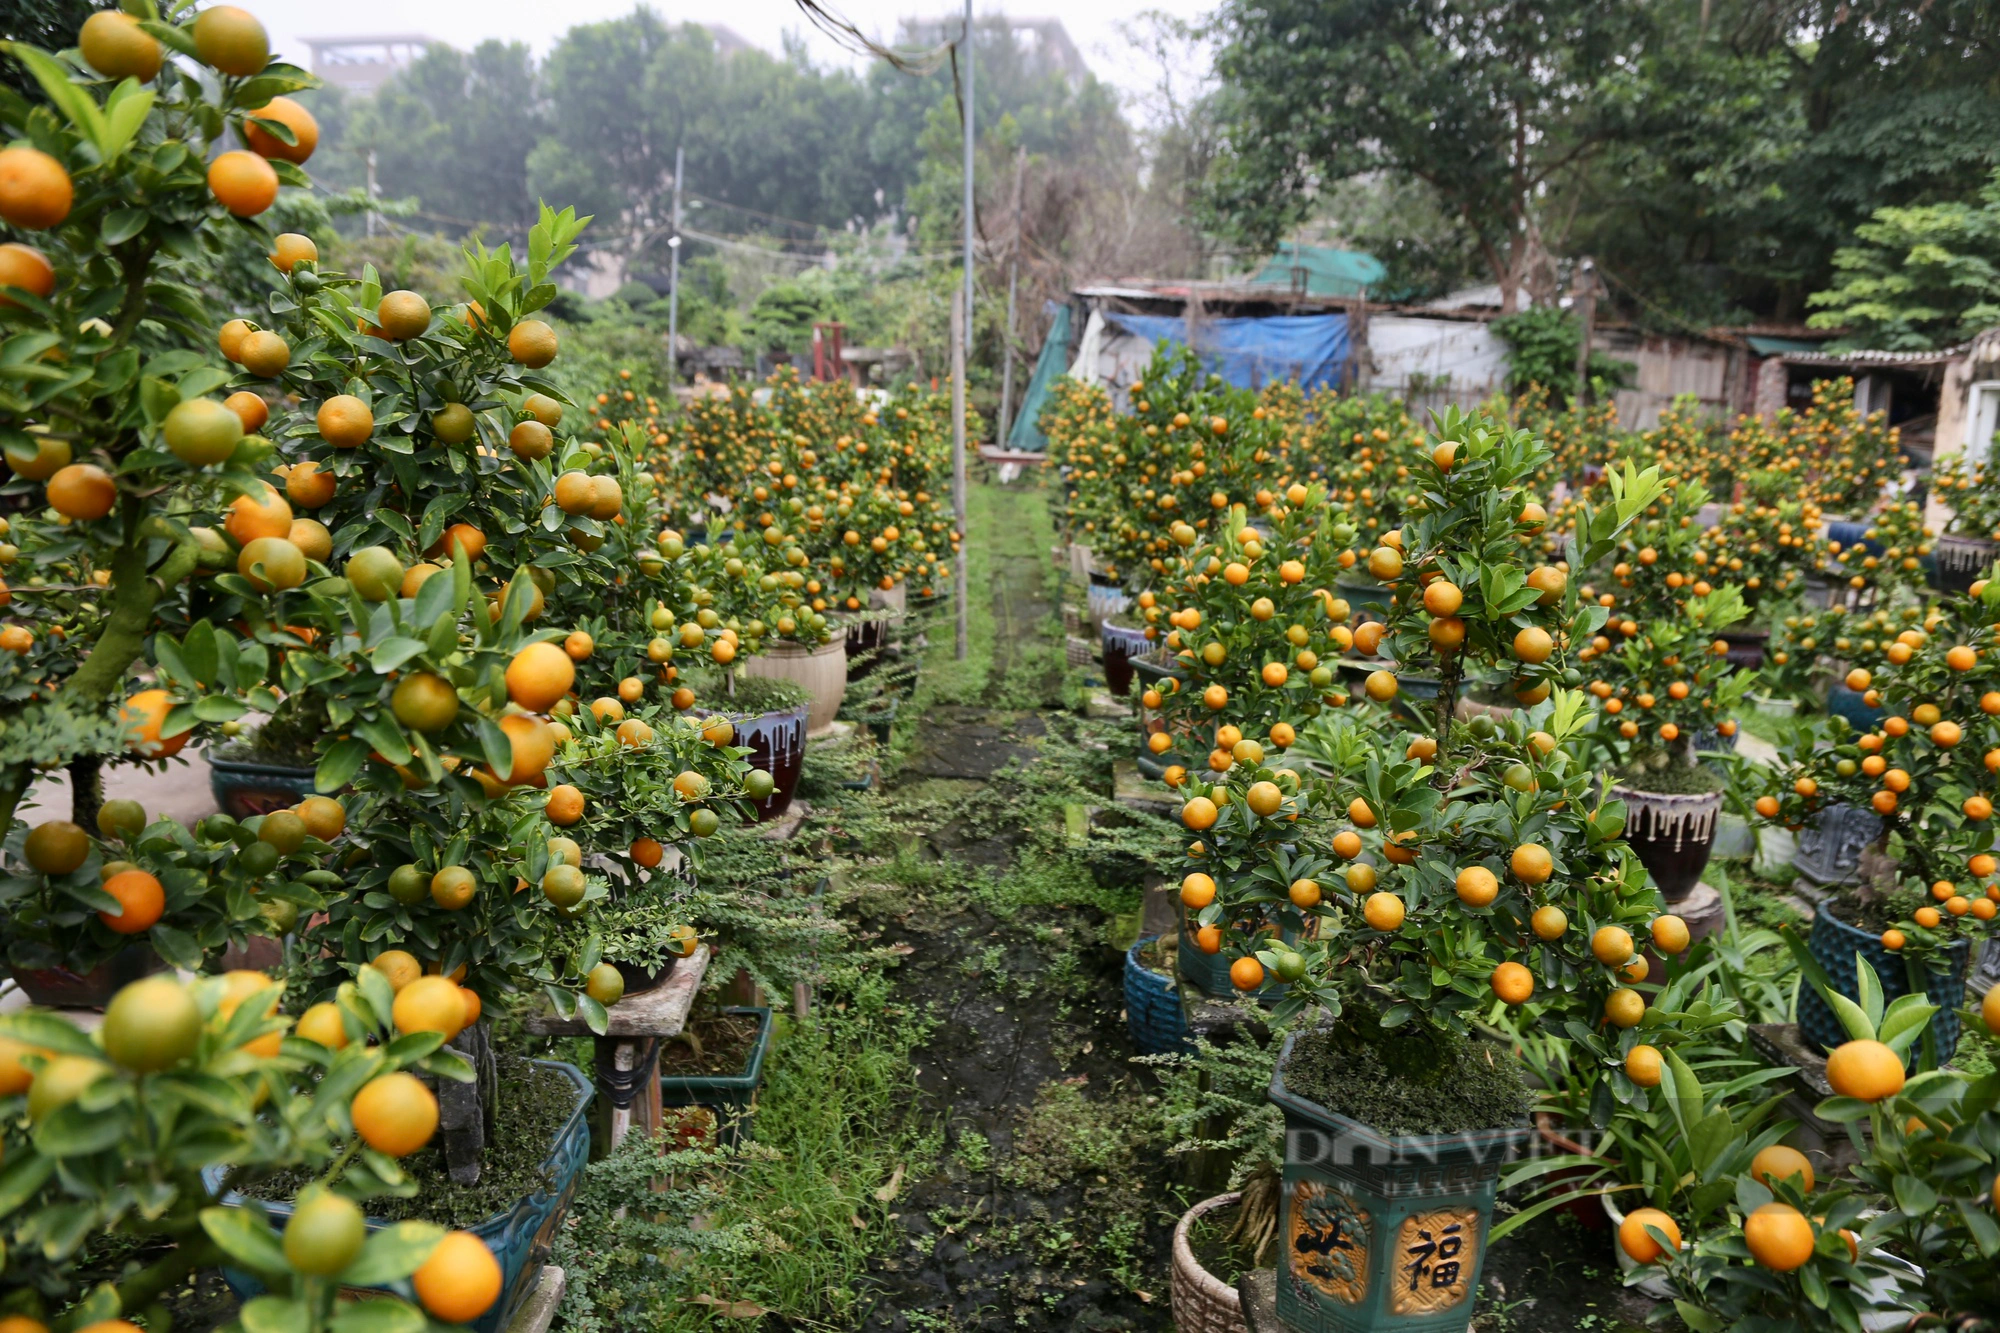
[(455, 130), (1919, 278), (1495, 104)]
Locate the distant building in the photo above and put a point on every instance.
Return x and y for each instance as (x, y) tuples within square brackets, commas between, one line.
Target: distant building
[(360, 65), (1320, 270)]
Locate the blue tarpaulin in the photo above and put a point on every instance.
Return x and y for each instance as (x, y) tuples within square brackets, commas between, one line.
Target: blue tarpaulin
[(1026, 432), (1251, 353)]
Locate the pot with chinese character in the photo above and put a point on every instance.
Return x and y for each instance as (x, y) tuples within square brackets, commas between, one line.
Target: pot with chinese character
[(1382, 1231)]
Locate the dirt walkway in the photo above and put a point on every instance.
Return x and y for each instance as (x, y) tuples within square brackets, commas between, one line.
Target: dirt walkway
[(1040, 1215)]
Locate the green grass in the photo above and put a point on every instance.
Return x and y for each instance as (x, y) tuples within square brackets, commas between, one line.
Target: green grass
[(791, 1222)]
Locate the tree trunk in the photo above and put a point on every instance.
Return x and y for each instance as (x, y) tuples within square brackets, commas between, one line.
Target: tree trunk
[(86, 789)]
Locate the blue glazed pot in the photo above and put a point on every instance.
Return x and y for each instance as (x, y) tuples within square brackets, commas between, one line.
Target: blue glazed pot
[(1153, 1007), (242, 789), (1209, 972), (1381, 1231), (520, 1237), (1848, 534), (1835, 943), (1845, 703)]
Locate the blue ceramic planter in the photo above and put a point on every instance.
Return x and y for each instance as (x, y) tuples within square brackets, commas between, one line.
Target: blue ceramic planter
[(1850, 704), (520, 1237), (1381, 1231), (1835, 943), (242, 789), (1153, 1007)]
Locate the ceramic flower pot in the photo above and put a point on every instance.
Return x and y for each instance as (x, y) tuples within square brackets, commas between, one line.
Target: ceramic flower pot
[(1835, 943), (1122, 644), (1381, 1231), (1963, 561), (822, 670), (60, 988), (1746, 646), (242, 789), (1829, 848), (520, 1236), (777, 743), (1672, 835)]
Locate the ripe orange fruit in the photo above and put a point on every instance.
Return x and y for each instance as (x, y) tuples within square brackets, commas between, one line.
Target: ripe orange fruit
[(430, 1004), (1611, 946), (322, 1023), (1304, 893), (253, 516), (26, 267), (344, 421), (565, 805), (1477, 886), (1347, 843), (460, 1281), (1778, 1162), (1246, 974), (82, 491), (539, 675), (1383, 911), (460, 535), (647, 852), (532, 343), (1443, 598), (1644, 1066), (1637, 1242), (264, 353), (142, 716), (453, 888), (1532, 864), (1867, 1070), (1198, 891), (286, 112), (607, 499), (243, 183), (1199, 814), (425, 701), (1533, 645), (231, 40), (142, 898), (398, 965), (1380, 686), (534, 745), (531, 440), (1361, 877), (291, 249), (1549, 923), (1624, 1007), (57, 847), (402, 315), (1779, 1236), (35, 190), (1513, 983), (113, 44), (395, 1114), (310, 488), (1670, 934)]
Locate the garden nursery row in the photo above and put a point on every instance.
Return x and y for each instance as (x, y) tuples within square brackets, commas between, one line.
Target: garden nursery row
[(1353, 872)]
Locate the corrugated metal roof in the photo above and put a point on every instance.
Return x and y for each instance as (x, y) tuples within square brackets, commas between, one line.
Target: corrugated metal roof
[(1870, 358), (1327, 271)]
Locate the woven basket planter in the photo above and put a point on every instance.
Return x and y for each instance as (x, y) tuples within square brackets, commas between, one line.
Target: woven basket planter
[(1202, 1302)]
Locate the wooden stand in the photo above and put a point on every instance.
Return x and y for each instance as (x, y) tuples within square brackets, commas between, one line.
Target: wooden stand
[(627, 1065)]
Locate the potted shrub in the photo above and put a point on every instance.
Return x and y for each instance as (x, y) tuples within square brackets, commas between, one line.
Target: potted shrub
[(1488, 851), (1767, 550), (1971, 539), (1925, 778)]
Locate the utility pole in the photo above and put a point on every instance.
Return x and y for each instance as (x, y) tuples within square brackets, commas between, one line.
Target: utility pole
[(1584, 285), (961, 338), (674, 278), (1013, 275), (373, 193)]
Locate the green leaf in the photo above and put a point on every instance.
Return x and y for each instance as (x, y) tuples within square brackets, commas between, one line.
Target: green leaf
[(1914, 1196), (392, 652), (21, 1178), (1851, 1015), (392, 1253), (1905, 1022), (338, 765), (247, 1238), (1697, 1318), (277, 1314), (1869, 988), (200, 653), (77, 105), (36, 1027), (219, 708), (381, 731), (378, 1316), (498, 749), (71, 1131), (594, 1015), (437, 599), (121, 225), (124, 112)]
